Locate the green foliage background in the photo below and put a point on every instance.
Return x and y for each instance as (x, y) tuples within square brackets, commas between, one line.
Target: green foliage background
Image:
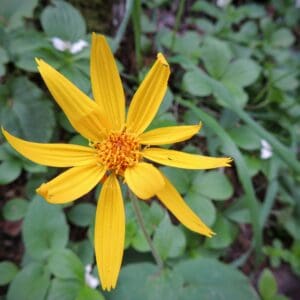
[(236, 69)]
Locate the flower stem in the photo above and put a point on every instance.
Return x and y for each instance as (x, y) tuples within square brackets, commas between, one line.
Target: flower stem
[(141, 222)]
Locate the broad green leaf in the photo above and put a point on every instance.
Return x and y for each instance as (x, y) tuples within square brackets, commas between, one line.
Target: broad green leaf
[(10, 170), (27, 114), (82, 214), (216, 56), (180, 178), (213, 185), (239, 96), (202, 206), (207, 8), (62, 289), (284, 79), (23, 41), (206, 278), (13, 12), (169, 240), (245, 137), (64, 264), (225, 234), (253, 10), (196, 279), (238, 212), (192, 83), (241, 72), (84, 250), (282, 37), (254, 164), (187, 43), (87, 293), (267, 285), (64, 21), (139, 242), (30, 283), (8, 271), (79, 78), (131, 283), (15, 209), (44, 228)]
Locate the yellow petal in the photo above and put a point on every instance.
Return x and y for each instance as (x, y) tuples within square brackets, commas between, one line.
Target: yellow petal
[(71, 184), (82, 112), (184, 160), (144, 180), (109, 233), (168, 135), (148, 97), (106, 83), (174, 202), (52, 155)]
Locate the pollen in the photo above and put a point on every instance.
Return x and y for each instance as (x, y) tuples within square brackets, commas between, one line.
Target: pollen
[(118, 151)]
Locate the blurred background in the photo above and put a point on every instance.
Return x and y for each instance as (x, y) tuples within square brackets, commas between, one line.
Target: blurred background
[(235, 67)]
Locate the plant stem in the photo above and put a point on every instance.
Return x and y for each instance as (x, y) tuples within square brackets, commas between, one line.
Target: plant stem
[(177, 22), (136, 21), (122, 28), (141, 222)]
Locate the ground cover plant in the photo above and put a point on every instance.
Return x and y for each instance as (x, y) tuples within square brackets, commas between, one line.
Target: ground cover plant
[(234, 68)]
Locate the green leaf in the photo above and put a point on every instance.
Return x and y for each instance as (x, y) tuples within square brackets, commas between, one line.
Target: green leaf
[(284, 79), (131, 283), (30, 283), (64, 264), (202, 206), (216, 56), (169, 240), (245, 137), (86, 293), (180, 178), (64, 21), (82, 214), (239, 96), (196, 279), (282, 37), (13, 12), (192, 83), (15, 209), (242, 72), (8, 271), (3, 60), (206, 278), (27, 114), (10, 170), (225, 234), (61, 289), (214, 185), (238, 212), (84, 250), (44, 228), (267, 285)]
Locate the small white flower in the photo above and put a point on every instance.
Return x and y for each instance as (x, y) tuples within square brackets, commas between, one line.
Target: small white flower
[(297, 3), (223, 3), (90, 280), (78, 46), (73, 48), (265, 150)]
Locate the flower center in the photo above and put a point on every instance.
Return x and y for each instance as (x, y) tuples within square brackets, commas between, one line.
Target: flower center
[(118, 151)]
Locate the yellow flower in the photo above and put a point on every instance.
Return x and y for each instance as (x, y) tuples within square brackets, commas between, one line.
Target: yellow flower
[(119, 149)]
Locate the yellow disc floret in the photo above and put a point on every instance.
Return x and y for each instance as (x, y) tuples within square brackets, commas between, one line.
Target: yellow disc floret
[(118, 151)]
